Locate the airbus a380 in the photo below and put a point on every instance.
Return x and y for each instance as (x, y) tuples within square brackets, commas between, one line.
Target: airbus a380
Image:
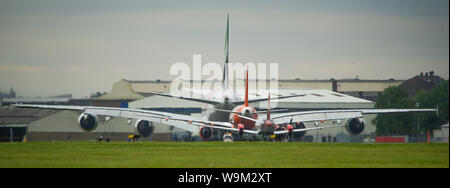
[(229, 114), (222, 101)]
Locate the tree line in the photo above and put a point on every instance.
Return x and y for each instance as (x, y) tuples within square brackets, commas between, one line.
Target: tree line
[(412, 123)]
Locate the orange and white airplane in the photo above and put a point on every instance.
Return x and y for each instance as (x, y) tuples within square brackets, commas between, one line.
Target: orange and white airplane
[(230, 115)]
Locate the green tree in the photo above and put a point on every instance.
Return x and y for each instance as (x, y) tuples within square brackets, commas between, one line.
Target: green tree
[(437, 97), (406, 123), (397, 123)]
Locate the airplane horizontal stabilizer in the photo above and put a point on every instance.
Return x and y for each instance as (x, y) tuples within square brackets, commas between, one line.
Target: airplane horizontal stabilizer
[(186, 98), (266, 99)]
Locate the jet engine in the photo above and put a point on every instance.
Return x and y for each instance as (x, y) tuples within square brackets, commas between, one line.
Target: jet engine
[(355, 126), (280, 137), (144, 128), (205, 132), (299, 135), (88, 122)]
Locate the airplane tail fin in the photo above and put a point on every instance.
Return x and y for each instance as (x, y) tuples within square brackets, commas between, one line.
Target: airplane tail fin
[(246, 89), (268, 108), (225, 65)]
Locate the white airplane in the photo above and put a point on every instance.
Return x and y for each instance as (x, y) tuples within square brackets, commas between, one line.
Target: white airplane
[(229, 114), (221, 101)]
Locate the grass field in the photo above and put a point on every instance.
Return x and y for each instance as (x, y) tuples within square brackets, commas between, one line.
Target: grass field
[(218, 155)]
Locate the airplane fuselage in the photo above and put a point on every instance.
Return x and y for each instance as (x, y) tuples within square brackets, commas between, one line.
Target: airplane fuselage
[(247, 111), (215, 115)]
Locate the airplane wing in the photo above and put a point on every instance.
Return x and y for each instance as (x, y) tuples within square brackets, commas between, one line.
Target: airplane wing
[(184, 122), (186, 98), (266, 99), (212, 102), (325, 115), (306, 129)]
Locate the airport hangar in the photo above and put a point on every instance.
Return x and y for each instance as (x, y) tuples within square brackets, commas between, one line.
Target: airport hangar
[(63, 125)]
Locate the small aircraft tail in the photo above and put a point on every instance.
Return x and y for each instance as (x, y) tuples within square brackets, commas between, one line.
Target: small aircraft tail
[(268, 108), (246, 89)]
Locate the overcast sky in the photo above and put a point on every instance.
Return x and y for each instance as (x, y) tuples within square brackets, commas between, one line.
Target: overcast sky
[(50, 47)]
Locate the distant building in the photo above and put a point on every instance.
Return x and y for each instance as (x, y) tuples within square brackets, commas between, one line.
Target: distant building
[(11, 94), (420, 82), (65, 99), (131, 90), (16, 124), (4, 95), (14, 121)]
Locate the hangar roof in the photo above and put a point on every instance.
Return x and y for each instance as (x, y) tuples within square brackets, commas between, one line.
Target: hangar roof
[(162, 102), (311, 97), (137, 89), (121, 90), (317, 99)]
